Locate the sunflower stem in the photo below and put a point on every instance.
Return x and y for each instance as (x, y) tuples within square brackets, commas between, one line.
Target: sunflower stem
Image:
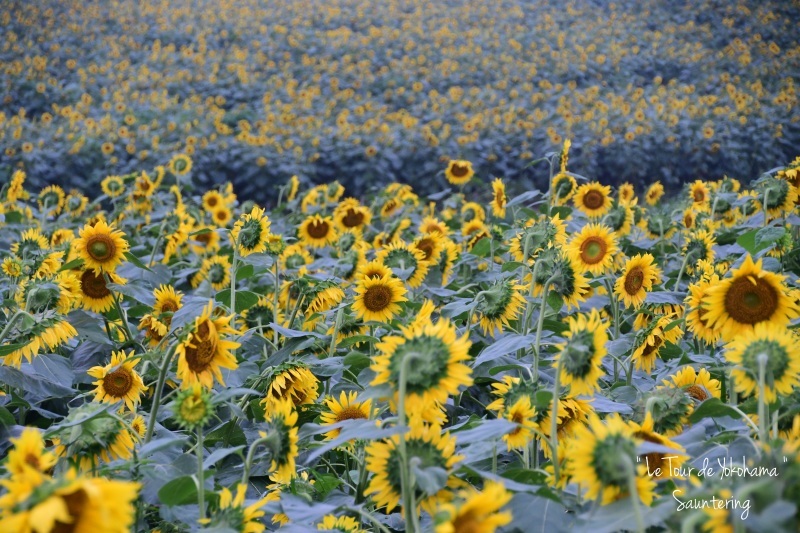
[(11, 322), (275, 297), (120, 312), (680, 272), (336, 325), (201, 483), (234, 265), (248, 463), (409, 506), (634, 494), (297, 305), (763, 423), (764, 210), (540, 326), (554, 421), (155, 246), (162, 377)]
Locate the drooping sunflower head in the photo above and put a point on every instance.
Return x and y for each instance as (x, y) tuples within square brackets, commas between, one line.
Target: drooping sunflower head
[(291, 381), (581, 355), (459, 172), (48, 294), (431, 358), (668, 407), (777, 196), (751, 295), (193, 407), (638, 277), (347, 407), (377, 299), (118, 380), (523, 414), (657, 224), (767, 354), (472, 211), (499, 305), (499, 200), (475, 511), (94, 293), (406, 262), (251, 232), (652, 339), (343, 524), (593, 199), (47, 334), (317, 232), (594, 248), (698, 246), (654, 193), (565, 277), (100, 437), (261, 315), (101, 247)]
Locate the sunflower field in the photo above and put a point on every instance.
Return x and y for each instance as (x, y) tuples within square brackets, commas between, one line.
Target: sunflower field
[(371, 92), (583, 358)]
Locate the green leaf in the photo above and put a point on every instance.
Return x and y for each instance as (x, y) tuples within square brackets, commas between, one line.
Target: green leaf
[(712, 408), (510, 266), (244, 299), (555, 301), (75, 263), (355, 339), (431, 480), (482, 248), (6, 418), (13, 217), (179, 491), (523, 475), (766, 236), (563, 212), (8, 348), (325, 483), (136, 261), (244, 272)]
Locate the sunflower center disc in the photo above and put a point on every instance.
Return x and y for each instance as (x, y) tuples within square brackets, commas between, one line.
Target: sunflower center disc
[(593, 199), (750, 303), (593, 251), (318, 230), (118, 383), (353, 218), (459, 171), (377, 298), (101, 248), (94, 286), (634, 280)]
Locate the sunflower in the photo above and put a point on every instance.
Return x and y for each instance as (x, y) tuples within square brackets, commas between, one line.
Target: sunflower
[(215, 269), (699, 246), (12, 267), (699, 192), (324, 297), (638, 277), (232, 514), (437, 370), (51, 200), (102, 438), (780, 353), (697, 384), (654, 193), (498, 306), (344, 524), (582, 354), (563, 188), (536, 236), (657, 224), (602, 454), (401, 257), (62, 236), (508, 392), (345, 408), (251, 232), (475, 230), (660, 464), (431, 245), (118, 381), (48, 333), (28, 457), (193, 407), (521, 413), (94, 293), (447, 261), (475, 512), (377, 298), (282, 421), (261, 315), (317, 232), (432, 225), (390, 207), (689, 218), (295, 256), (748, 297), (566, 278), (352, 216), (101, 247), (180, 164), (424, 444), (593, 248), (204, 352), (291, 381), (212, 200), (70, 503), (459, 172), (626, 194), (30, 243), (573, 413), (222, 217), (294, 185), (16, 188), (472, 211), (652, 340), (499, 199), (777, 196), (50, 294), (593, 199)]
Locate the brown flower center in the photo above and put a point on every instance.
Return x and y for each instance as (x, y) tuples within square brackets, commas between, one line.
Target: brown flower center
[(212, 201), (459, 171), (593, 250), (594, 199), (94, 286), (427, 246), (697, 392), (634, 280), (652, 349), (318, 229), (76, 505), (699, 195), (32, 459), (353, 218), (350, 413), (377, 298), (101, 248), (751, 300), (202, 347), (118, 383)]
